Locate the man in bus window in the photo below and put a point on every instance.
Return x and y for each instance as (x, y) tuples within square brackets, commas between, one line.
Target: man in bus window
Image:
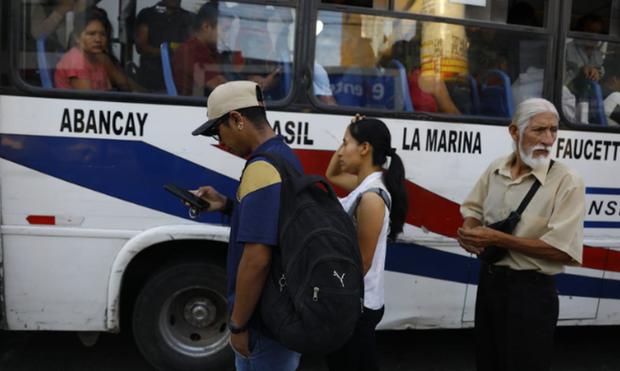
[(196, 62), (237, 117), (584, 58), (321, 87), (165, 21), (610, 86), (517, 301)]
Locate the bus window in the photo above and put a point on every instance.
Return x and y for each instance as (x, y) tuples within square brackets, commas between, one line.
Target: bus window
[(376, 4), (591, 88), (407, 65), (170, 48), (520, 12), (529, 13), (583, 11)]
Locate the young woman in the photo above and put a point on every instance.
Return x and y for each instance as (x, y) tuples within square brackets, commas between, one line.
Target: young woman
[(88, 66), (369, 169)]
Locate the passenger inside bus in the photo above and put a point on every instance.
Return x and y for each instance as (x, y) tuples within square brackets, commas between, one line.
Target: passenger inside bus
[(88, 66), (428, 94), (165, 21), (196, 61), (584, 58), (488, 49), (321, 87), (610, 84), (47, 24), (199, 67)]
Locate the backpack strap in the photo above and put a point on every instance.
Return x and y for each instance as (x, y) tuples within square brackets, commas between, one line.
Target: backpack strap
[(279, 162), (298, 180), (382, 193)]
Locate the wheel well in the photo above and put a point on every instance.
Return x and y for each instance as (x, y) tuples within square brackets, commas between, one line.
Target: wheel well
[(153, 258)]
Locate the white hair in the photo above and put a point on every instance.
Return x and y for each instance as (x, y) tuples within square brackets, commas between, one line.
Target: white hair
[(530, 108)]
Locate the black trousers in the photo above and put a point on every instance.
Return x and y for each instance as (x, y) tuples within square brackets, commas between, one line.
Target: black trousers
[(360, 352), (516, 315)]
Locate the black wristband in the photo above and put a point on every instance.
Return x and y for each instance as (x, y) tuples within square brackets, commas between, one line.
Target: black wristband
[(236, 329), (228, 206)]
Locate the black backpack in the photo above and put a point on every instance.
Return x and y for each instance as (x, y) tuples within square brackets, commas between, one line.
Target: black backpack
[(314, 293)]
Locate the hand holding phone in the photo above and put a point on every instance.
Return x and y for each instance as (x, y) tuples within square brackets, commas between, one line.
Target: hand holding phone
[(188, 197)]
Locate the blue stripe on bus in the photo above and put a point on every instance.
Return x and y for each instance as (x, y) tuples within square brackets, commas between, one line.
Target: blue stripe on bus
[(590, 224), (602, 191), (432, 263), (136, 171), (129, 170)]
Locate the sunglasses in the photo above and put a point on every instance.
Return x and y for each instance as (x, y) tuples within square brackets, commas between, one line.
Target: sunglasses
[(216, 127)]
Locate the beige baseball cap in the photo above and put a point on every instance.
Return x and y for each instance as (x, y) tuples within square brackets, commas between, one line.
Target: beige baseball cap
[(231, 96)]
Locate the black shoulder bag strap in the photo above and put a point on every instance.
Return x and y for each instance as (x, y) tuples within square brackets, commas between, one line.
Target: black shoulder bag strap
[(530, 194)]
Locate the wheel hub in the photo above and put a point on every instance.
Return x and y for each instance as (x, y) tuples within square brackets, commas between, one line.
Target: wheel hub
[(200, 312)]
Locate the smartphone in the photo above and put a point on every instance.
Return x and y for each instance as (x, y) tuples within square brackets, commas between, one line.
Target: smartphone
[(187, 196)]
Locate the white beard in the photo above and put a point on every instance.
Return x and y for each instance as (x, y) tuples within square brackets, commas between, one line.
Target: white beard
[(536, 163)]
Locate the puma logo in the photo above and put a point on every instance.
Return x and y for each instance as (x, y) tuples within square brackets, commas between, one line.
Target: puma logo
[(341, 278)]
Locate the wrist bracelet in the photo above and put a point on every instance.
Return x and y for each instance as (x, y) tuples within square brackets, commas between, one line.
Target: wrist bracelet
[(234, 329)]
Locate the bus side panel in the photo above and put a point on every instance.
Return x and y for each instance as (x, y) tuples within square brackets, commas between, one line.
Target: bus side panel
[(57, 283)]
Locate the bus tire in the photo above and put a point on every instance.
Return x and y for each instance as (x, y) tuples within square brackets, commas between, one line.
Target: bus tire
[(179, 318)]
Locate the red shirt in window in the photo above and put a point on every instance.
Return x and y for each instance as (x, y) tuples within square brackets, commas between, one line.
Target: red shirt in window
[(75, 64), (194, 63), (422, 101)]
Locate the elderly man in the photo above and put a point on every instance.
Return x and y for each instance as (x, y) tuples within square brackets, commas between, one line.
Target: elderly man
[(517, 302)]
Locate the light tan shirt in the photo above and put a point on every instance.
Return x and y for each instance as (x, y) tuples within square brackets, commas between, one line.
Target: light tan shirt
[(555, 214)]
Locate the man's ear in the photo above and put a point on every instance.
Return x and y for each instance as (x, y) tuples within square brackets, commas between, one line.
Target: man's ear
[(514, 131), (237, 120)]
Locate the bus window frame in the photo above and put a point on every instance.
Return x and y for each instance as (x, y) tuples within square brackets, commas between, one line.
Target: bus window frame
[(390, 10), (15, 28), (545, 33), (563, 34), (4, 64)]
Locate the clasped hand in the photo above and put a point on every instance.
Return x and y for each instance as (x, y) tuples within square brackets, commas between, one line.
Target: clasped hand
[(476, 239)]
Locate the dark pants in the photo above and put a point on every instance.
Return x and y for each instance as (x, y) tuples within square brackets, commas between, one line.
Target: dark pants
[(516, 315), (360, 352)]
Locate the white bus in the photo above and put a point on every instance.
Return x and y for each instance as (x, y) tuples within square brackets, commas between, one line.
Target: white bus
[(91, 242)]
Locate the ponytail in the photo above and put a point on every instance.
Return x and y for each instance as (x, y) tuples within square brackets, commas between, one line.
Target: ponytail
[(376, 133), (394, 179)]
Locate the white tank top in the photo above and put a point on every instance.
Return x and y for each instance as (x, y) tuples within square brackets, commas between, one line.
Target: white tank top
[(374, 278)]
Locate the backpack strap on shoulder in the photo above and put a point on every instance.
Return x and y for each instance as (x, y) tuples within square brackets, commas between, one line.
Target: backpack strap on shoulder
[(382, 193)]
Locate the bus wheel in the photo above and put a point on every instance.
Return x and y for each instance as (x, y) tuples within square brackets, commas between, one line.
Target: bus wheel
[(179, 319)]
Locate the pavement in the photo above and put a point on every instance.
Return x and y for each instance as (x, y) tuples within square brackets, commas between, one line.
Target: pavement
[(577, 349)]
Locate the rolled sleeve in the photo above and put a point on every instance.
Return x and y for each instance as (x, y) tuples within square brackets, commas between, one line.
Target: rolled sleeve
[(566, 222), (472, 207)]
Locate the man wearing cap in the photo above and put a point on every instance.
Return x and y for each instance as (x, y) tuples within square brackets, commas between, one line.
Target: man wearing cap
[(237, 117), (517, 302)]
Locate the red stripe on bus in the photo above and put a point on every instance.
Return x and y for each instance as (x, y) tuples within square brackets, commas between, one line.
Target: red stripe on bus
[(41, 219), (437, 214)]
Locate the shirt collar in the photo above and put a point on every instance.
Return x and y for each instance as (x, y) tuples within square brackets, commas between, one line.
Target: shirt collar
[(370, 178), (268, 144), (503, 168)]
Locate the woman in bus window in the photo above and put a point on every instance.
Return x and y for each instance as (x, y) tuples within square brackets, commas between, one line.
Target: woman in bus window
[(88, 65), (80, 67), (369, 169)]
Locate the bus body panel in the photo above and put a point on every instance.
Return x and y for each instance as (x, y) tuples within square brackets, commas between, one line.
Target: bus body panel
[(103, 187)]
